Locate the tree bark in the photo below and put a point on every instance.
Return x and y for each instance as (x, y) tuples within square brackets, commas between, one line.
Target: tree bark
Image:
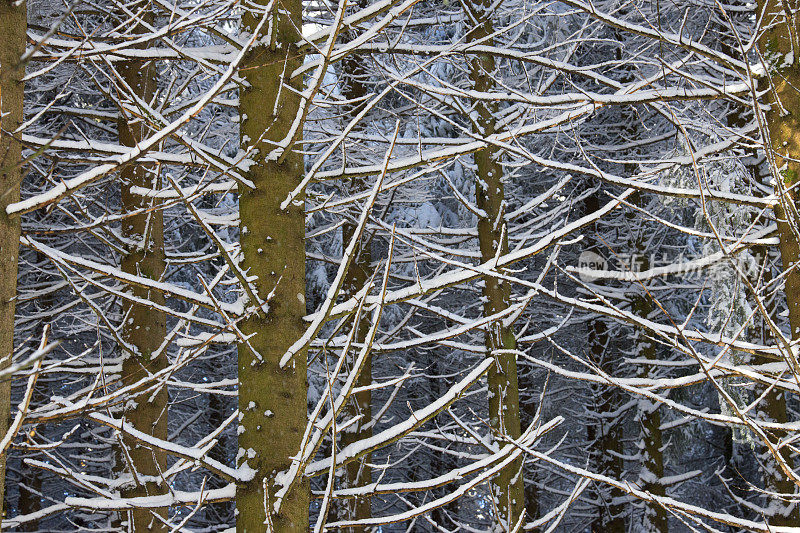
[(13, 26), (504, 417), (777, 44), (143, 328), (272, 400), (357, 473)]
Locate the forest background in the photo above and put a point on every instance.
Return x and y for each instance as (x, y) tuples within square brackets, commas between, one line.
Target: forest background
[(402, 265)]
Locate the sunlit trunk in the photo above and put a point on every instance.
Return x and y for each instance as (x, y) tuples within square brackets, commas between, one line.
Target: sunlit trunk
[(272, 400), (13, 25), (779, 46), (143, 327), (504, 418)]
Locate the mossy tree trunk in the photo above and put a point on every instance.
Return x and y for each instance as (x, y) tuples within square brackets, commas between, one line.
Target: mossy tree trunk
[(13, 26), (779, 48), (272, 400), (143, 328), (504, 416)]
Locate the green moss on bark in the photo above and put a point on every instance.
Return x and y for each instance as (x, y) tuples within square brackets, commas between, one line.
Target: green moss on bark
[(13, 25), (272, 400)]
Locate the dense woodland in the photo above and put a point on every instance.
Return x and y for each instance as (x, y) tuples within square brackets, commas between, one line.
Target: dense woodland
[(400, 265)]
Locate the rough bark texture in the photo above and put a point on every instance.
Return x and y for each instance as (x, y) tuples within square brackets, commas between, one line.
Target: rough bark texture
[(777, 45), (504, 416), (143, 327), (13, 25), (272, 399)]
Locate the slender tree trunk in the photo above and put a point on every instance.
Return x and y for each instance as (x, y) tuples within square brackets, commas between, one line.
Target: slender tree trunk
[(13, 26), (605, 437), (272, 400), (783, 126), (358, 473), (739, 117), (143, 328), (604, 431), (757, 332), (507, 487), (648, 416)]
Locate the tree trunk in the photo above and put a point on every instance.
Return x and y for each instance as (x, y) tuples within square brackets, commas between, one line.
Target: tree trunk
[(13, 26), (143, 328), (272, 400), (358, 473), (604, 432), (504, 417), (777, 44), (605, 437), (648, 415)]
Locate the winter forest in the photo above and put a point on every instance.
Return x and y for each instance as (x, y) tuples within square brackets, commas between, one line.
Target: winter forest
[(400, 266)]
